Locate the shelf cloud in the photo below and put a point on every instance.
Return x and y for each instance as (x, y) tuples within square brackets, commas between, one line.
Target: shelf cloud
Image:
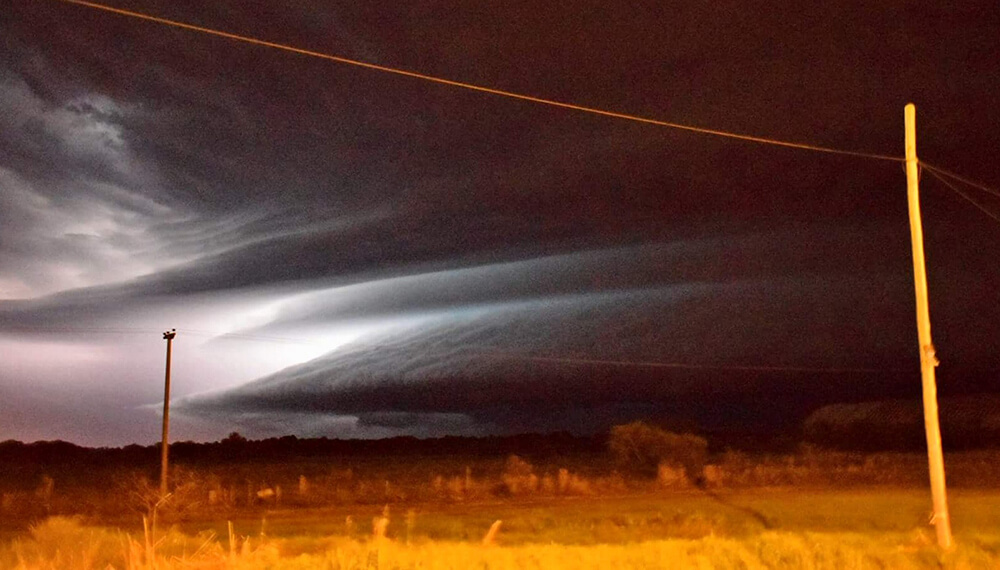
[(356, 254)]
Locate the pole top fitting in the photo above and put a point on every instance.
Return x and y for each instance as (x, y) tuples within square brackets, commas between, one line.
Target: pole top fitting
[(170, 334)]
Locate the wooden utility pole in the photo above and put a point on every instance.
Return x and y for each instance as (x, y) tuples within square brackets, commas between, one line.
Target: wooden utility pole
[(164, 448), (928, 361)]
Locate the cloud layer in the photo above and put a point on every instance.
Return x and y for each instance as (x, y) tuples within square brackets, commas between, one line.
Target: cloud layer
[(354, 253)]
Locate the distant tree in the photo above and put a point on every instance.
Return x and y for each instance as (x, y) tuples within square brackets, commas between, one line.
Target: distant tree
[(641, 448), (234, 439)]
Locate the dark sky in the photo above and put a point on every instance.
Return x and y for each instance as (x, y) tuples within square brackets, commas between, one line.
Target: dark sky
[(353, 253)]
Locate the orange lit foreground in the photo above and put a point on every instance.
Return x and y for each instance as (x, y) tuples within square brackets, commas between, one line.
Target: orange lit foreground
[(63, 543)]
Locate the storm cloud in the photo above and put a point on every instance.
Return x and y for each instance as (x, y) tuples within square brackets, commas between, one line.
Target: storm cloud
[(347, 252)]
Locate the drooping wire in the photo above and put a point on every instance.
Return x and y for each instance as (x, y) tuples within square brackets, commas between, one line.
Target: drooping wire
[(972, 183), (510, 94), (936, 174), (37, 329), (678, 365), (483, 89), (485, 352), (214, 335)]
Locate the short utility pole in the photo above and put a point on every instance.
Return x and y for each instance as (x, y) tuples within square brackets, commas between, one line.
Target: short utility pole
[(164, 449), (928, 361)]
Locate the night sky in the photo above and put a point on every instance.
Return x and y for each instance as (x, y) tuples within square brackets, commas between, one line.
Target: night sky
[(353, 253)]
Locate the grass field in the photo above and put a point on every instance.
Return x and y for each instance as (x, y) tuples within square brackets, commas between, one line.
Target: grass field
[(758, 528), (631, 518)]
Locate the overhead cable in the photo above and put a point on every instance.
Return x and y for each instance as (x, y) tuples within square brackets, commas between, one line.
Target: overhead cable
[(480, 88), (487, 352), (936, 174), (972, 183), (249, 337), (679, 365)]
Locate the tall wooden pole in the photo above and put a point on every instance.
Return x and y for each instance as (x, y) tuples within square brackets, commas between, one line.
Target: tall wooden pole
[(165, 447), (928, 361)]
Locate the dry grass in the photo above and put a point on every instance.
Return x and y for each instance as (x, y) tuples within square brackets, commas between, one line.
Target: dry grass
[(65, 544), (232, 491), (810, 510)]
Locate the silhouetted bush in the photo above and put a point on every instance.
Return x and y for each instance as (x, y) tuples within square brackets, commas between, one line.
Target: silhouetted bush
[(642, 448), (967, 422)]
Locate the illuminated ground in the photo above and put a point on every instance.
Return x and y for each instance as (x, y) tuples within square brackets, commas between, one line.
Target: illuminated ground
[(764, 528), (599, 520)]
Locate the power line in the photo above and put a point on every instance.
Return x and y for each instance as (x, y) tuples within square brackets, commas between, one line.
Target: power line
[(480, 88), (483, 351), (74, 330), (935, 173), (539, 100), (250, 337), (977, 185), (681, 365), (35, 329)]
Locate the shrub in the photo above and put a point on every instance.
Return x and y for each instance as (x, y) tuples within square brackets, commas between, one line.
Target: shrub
[(572, 484), (671, 477), (642, 448), (518, 476), (715, 476)]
